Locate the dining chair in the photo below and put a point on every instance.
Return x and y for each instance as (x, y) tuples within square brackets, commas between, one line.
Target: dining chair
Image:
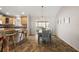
[(46, 36)]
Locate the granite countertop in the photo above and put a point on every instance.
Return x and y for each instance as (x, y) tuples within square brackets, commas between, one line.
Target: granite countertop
[(11, 26)]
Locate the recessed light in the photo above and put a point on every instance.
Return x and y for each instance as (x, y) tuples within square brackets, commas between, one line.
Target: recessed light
[(7, 13), (23, 13), (0, 8)]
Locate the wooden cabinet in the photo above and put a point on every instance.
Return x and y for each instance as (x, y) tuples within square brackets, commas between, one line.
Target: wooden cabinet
[(3, 19), (11, 20), (24, 20)]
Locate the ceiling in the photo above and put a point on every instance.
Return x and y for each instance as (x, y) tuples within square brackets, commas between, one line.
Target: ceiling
[(30, 10)]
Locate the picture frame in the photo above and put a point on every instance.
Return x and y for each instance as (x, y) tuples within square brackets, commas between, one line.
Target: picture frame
[(67, 20), (59, 21)]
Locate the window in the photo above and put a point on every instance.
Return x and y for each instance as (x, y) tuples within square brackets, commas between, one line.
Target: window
[(44, 24)]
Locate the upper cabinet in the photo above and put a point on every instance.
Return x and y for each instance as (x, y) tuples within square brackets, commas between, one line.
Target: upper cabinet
[(12, 20), (24, 20), (9, 20), (3, 19)]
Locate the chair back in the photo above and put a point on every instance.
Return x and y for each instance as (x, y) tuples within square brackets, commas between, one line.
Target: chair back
[(46, 35)]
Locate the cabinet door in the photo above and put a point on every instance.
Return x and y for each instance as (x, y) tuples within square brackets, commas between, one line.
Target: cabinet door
[(3, 19), (7, 20), (12, 20), (24, 20)]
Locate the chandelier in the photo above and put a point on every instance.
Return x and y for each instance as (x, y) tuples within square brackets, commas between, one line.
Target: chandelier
[(43, 17)]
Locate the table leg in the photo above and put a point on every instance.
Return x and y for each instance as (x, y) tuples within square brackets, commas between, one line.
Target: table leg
[(14, 41), (38, 40), (2, 47), (7, 44)]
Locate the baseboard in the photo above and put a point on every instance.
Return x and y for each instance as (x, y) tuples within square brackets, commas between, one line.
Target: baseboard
[(67, 43)]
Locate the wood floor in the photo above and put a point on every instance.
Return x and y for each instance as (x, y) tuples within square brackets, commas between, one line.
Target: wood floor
[(31, 45)]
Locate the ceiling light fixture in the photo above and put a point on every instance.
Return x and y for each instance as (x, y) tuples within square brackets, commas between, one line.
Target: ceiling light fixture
[(7, 13), (0, 8), (43, 16), (23, 13), (42, 12)]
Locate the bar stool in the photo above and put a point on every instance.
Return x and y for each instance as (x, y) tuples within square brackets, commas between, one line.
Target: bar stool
[(12, 38), (6, 40), (2, 39)]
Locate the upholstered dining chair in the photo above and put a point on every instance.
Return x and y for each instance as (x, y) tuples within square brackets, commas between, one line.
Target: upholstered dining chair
[(46, 36)]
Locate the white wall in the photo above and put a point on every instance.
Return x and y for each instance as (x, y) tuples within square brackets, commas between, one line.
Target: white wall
[(69, 32)]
